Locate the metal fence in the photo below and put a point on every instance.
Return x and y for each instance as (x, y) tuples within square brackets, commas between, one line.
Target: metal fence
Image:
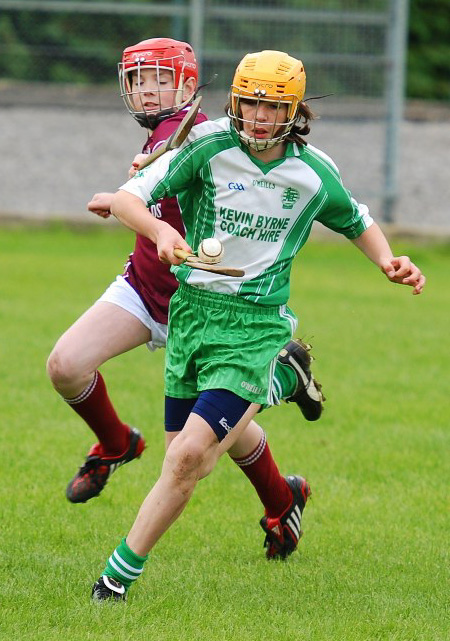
[(352, 49)]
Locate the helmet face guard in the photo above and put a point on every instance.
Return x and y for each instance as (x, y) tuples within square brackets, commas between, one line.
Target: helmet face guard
[(267, 76), (162, 55), (280, 127)]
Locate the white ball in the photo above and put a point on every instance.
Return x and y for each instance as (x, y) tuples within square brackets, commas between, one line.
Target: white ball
[(210, 250)]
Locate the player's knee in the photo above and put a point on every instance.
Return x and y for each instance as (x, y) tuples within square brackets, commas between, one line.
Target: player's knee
[(61, 369), (186, 458)]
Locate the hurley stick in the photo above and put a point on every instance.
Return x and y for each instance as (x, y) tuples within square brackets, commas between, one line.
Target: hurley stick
[(193, 261)]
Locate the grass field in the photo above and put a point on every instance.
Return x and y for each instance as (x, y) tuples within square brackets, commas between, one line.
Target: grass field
[(373, 563)]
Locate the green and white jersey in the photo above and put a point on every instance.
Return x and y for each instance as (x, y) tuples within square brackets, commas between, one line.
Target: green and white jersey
[(261, 212)]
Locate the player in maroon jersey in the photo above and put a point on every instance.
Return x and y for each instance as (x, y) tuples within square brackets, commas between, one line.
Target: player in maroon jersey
[(158, 80)]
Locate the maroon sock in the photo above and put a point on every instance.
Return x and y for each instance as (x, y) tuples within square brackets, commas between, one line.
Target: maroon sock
[(261, 469), (94, 406)]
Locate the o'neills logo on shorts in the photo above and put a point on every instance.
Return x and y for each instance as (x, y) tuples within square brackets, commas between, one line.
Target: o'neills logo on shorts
[(251, 388)]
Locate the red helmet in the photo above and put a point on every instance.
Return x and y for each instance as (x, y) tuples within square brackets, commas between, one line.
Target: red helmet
[(160, 54)]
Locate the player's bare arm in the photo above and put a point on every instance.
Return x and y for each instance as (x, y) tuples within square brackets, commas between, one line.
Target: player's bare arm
[(132, 212), (100, 204), (398, 269)]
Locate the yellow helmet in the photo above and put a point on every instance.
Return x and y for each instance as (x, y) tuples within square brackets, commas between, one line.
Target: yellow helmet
[(271, 76)]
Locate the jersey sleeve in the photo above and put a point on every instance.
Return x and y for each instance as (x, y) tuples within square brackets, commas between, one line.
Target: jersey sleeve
[(341, 212), (169, 175), (177, 171)]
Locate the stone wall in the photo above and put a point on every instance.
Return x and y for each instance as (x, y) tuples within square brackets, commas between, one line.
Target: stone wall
[(58, 146)]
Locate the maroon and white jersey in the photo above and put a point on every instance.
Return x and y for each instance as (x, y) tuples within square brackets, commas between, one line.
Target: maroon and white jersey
[(151, 278)]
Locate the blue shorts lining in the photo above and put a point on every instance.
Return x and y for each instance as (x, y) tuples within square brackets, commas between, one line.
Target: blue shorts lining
[(220, 408)]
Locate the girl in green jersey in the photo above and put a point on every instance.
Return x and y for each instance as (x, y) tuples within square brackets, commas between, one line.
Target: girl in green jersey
[(251, 181)]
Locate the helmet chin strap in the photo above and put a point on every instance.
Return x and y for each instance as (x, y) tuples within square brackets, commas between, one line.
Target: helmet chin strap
[(258, 145), (151, 121)]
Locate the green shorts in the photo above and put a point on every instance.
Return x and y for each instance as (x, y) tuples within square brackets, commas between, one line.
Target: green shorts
[(219, 341)]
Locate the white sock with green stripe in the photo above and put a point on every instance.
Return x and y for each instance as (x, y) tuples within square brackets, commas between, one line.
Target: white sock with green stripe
[(124, 565)]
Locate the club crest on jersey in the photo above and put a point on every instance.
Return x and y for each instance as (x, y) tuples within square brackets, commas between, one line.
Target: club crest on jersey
[(289, 197), (237, 186)]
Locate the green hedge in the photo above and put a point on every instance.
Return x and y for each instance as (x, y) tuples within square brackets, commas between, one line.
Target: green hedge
[(429, 50)]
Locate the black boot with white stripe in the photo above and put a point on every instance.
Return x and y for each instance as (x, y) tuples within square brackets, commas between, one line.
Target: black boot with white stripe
[(308, 394), (108, 589), (93, 475), (284, 533)]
